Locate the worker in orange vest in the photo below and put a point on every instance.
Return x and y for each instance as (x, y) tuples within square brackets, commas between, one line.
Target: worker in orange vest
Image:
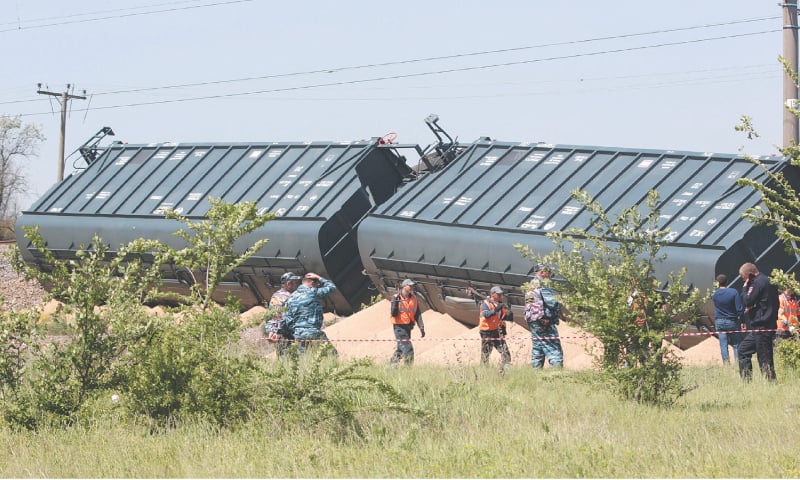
[(405, 313), (788, 310), (492, 327)]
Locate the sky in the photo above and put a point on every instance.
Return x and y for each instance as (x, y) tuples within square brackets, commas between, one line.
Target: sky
[(674, 75)]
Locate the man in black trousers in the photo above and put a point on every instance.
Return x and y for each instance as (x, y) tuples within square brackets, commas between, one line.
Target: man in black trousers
[(760, 300)]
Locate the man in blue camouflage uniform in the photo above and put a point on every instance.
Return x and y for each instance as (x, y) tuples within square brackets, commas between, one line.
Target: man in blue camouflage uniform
[(304, 310), (544, 334)]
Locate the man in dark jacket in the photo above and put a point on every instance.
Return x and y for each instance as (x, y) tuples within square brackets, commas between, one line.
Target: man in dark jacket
[(760, 300)]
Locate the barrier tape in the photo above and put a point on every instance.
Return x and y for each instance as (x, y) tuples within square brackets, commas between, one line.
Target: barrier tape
[(506, 338), (700, 334)]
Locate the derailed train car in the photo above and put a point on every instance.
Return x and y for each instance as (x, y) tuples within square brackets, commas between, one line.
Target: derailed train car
[(456, 228), (355, 212), (320, 191)]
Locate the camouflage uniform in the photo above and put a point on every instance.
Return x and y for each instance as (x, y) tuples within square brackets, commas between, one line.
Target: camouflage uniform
[(274, 323), (303, 313), (542, 347)]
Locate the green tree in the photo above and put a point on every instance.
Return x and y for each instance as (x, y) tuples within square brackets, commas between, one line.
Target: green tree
[(17, 143), (211, 252), (609, 288)]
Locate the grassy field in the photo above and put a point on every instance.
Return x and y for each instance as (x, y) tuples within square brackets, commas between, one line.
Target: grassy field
[(525, 424)]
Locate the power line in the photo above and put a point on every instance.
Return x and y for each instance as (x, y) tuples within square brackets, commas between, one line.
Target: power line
[(663, 78), (418, 60), (579, 84), (737, 68), (582, 90), (97, 12), (423, 74), (579, 87), (228, 2), (437, 58)]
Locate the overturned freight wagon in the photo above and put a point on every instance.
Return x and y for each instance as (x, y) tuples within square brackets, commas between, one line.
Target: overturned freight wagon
[(455, 228), (320, 192)]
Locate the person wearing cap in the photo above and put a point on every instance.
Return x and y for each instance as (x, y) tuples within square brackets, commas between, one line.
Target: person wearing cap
[(273, 326), (545, 343), (492, 327), (304, 310), (405, 314), (542, 271)]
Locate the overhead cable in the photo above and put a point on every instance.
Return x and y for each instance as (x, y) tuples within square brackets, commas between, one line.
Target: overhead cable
[(125, 15), (19, 21), (424, 74), (436, 58)]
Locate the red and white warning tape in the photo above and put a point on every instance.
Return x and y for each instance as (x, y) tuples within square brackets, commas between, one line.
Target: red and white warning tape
[(515, 339)]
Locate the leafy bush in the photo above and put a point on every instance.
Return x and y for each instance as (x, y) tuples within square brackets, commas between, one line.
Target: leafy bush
[(19, 344), (100, 292), (187, 367), (18, 336), (71, 370), (788, 354), (655, 381), (316, 389)]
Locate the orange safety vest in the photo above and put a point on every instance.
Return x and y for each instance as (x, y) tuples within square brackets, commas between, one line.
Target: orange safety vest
[(789, 310), (407, 311), (493, 322)]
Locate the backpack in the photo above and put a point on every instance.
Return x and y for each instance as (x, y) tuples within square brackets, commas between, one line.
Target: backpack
[(552, 307)]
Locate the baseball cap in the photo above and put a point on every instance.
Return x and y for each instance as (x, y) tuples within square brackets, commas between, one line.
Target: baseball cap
[(289, 276), (408, 282), (496, 289)]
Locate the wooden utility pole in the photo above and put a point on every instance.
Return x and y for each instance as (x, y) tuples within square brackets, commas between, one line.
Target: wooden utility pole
[(790, 120), (65, 97)]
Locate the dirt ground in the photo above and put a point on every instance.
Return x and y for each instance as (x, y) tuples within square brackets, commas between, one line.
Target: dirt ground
[(368, 333)]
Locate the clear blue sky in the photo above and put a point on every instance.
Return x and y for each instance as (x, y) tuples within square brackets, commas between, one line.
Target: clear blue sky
[(520, 70)]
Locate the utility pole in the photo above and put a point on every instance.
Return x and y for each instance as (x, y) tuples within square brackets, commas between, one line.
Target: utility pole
[(790, 120), (65, 97)]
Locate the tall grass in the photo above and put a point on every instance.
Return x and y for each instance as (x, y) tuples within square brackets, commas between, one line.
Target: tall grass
[(526, 423)]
